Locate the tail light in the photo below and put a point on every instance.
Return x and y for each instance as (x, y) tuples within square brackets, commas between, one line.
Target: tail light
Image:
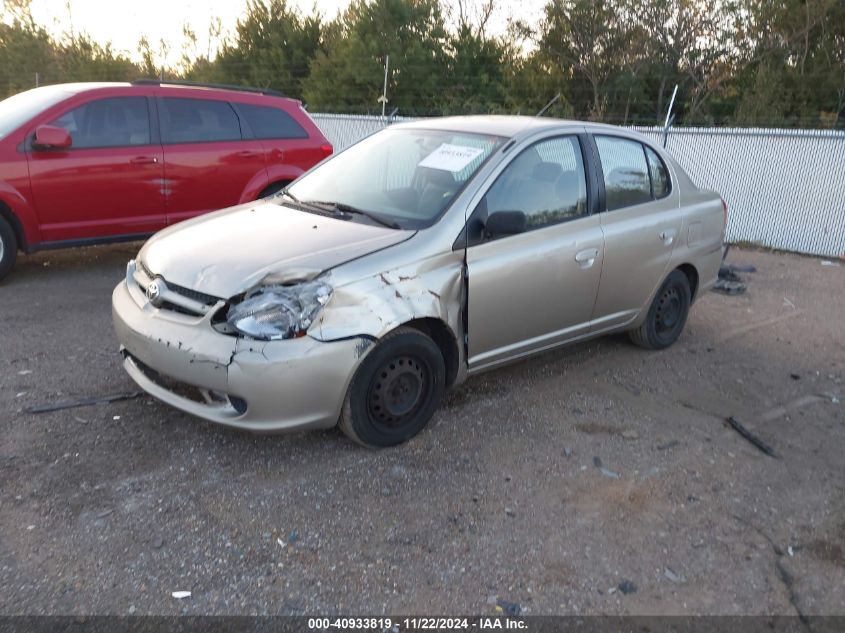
[(327, 150), (725, 210)]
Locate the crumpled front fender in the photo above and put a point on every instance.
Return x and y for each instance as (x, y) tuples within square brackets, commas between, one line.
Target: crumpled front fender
[(375, 305)]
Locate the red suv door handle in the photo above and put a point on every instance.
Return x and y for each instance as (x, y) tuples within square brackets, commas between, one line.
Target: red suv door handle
[(143, 160), (247, 153)]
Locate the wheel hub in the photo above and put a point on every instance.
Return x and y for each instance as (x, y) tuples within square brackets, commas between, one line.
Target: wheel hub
[(668, 309), (396, 390)]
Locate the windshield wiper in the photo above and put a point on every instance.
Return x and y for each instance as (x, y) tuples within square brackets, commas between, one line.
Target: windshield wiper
[(340, 207)]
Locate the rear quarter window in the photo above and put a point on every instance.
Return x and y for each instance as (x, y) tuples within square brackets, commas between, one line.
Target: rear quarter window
[(270, 123)]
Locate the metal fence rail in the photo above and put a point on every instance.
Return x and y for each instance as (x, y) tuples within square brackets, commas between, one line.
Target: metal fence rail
[(785, 188)]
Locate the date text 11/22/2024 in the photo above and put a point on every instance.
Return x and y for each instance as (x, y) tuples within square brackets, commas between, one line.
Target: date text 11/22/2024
[(416, 624)]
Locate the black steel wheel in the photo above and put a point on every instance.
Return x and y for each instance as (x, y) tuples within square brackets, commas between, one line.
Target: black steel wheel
[(395, 391), (8, 247), (667, 314)]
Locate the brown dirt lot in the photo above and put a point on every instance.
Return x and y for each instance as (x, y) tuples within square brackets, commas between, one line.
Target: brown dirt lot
[(110, 508)]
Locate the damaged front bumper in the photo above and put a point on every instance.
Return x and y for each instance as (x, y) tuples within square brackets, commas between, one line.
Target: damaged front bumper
[(254, 385)]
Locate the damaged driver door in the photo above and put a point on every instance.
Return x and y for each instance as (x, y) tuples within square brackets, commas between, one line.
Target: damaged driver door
[(534, 255)]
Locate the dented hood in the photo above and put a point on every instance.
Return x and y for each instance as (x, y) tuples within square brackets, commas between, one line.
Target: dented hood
[(228, 252)]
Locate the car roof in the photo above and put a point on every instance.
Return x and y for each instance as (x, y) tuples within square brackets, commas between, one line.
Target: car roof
[(495, 124), (512, 125), (86, 86)]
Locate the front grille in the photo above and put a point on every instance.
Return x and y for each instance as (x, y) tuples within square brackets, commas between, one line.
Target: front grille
[(193, 295), (208, 300)]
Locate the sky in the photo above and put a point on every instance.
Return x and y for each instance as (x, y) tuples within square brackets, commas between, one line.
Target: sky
[(124, 22)]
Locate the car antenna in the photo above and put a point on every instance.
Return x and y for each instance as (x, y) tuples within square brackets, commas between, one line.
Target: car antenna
[(670, 118), (548, 105)]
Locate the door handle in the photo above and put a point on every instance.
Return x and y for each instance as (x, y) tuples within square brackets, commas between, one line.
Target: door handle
[(247, 153), (143, 160), (587, 258), (667, 236)]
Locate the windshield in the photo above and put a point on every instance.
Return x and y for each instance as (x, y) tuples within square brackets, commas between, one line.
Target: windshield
[(20, 108), (405, 177)]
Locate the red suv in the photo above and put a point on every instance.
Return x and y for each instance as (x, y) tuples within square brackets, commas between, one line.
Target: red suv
[(88, 163)]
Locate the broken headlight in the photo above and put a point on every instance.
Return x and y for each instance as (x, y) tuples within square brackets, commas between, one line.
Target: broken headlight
[(271, 313)]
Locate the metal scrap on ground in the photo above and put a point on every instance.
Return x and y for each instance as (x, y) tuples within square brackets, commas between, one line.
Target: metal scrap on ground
[(85, 402), (753, 439)]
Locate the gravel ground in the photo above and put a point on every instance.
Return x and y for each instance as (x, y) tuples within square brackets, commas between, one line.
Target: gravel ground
[(547, 484)]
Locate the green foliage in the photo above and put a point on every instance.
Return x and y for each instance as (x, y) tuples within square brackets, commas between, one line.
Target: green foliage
[(739, 62), (350, 74), (273, 48)]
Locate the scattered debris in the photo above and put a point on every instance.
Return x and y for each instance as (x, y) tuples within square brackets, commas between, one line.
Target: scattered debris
[(179, 595), (567, 452), (626, 587), (24, 372), (790, 551), (281, 543), (729, 281), (753, 439), (85, 402), (105, 513), (604, 471), (827, 262), (158, 542), (293, 537), (510, 512), (609, 473), (668, 445), (671, 575), (508, 608), (630, 435), (795, 376)]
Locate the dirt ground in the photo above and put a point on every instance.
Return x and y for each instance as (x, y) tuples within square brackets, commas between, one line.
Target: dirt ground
[(547, 484)]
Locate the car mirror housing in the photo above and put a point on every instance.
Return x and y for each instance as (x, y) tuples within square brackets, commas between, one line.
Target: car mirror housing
[(503, 223), (51, 137)]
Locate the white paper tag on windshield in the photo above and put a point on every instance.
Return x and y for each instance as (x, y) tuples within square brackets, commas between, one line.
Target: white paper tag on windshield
[(450, 157)]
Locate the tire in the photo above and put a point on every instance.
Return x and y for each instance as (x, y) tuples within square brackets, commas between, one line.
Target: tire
[(395, 390), (272, 190), (667, 314), (8, 248)]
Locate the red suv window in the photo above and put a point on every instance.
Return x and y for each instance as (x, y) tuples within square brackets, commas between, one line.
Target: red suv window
[(197, 121), (270, 123), (114, 122)]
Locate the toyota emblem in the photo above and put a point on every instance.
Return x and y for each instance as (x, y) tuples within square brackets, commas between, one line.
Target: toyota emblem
[(154, 293)]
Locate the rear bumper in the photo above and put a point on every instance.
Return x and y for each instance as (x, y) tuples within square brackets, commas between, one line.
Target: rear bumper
[(284, 385)]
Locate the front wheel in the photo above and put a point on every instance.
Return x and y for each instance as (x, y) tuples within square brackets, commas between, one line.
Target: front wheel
[(667, 315), (395, 391), (8, 247)]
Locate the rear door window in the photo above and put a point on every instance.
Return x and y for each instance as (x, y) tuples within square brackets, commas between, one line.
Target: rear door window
[(626, 174), (113, 122), (197, 121), (270, 123)]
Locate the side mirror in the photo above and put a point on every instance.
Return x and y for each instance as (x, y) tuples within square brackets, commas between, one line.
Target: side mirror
[(51, 137), (506, 223)]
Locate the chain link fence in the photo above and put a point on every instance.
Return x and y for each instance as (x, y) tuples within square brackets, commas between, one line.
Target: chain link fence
[(785, 188)]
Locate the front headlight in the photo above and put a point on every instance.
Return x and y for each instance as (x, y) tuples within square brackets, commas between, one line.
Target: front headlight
[(272, 313)]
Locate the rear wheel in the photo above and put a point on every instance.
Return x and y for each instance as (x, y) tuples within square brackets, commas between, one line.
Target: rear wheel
[(667, 315), (8, 247), (395, 391)]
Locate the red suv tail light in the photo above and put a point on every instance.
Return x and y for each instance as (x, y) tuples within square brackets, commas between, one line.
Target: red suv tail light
[(327, 150)]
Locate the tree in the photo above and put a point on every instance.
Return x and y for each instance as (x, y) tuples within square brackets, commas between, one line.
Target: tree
[(273, 47), (349, 75)]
